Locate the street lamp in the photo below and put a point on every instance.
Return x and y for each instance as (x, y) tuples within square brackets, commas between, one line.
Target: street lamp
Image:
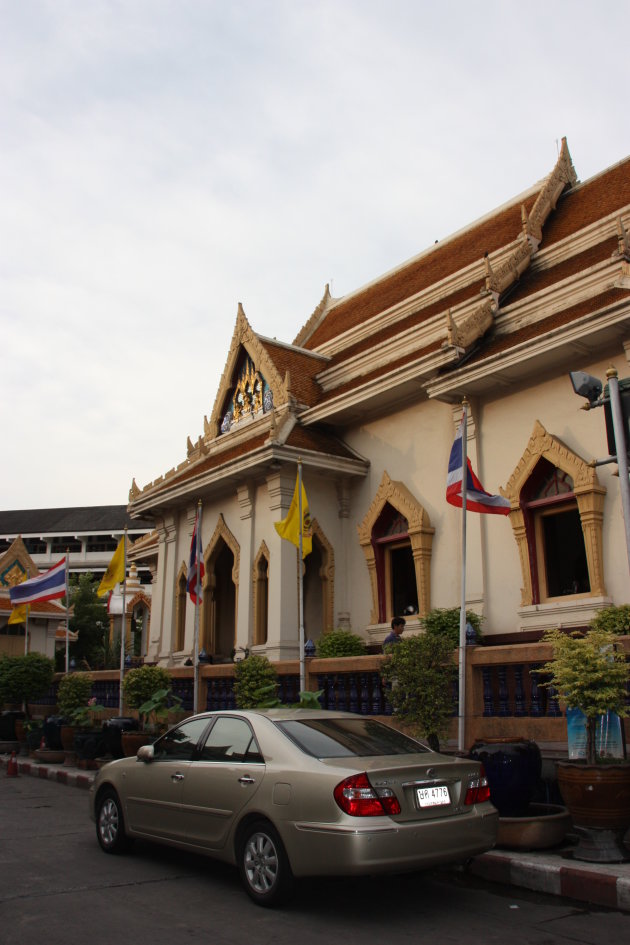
[(585, 385)]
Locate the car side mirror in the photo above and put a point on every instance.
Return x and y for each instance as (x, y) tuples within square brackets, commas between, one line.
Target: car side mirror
[(145, 753)]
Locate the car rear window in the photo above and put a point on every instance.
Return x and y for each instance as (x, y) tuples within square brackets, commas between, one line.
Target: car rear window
[(342, 738)]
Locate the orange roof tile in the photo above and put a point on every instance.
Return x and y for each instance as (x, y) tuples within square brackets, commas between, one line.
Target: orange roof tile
[(303, 368), (589, 202), (490, 235)]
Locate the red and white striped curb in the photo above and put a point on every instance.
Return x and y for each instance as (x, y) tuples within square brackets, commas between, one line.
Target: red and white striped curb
[(602, 884), (58, 773)]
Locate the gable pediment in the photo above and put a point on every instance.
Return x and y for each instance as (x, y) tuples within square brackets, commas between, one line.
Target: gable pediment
[(16, 565), (250, 384)]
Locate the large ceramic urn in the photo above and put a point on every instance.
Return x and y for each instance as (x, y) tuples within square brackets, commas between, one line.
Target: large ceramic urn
[(513, 767), (598, 799)]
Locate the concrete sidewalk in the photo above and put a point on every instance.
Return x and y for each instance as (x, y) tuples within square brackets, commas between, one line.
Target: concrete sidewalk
[(552, 872)]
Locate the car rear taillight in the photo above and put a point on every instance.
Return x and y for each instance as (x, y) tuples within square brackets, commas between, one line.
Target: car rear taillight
[(357, 797), (478, 790)]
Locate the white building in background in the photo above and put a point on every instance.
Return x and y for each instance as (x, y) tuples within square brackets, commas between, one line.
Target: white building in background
[(32, 540), (369, 396), (90, 534)]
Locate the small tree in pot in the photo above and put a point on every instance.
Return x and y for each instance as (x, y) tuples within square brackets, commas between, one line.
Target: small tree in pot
[(590, 673), (148, 689), (24, 678), (73, 695)]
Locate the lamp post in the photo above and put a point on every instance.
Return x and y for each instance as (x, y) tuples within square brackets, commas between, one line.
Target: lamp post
[(585, 385), (622, 455)]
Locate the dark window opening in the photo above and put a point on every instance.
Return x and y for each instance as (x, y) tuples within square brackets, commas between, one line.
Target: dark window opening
[(566, 568)]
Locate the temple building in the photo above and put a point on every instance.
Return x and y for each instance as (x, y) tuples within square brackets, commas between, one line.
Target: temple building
[(369, 397)]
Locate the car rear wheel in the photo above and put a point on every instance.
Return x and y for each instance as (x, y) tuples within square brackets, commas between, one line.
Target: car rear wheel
[(264, 865), (110, 823)]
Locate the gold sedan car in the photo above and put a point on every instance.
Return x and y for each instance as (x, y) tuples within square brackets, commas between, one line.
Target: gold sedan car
[(293, 793)]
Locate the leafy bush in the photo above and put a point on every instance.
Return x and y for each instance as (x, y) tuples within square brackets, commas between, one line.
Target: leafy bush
[(141, 683), (24, 678), (444, 621), (340, 643), (421, 671), (73, 694), (613, 620), (255, 682)]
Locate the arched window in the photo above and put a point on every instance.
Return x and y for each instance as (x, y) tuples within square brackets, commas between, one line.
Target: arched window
[(397, 537), (180, 611), (261, 596), (395, 571), (554, 534), (557, 517)]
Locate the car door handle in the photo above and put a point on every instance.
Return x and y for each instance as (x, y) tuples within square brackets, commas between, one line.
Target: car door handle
[(246, 779), (177, 777)]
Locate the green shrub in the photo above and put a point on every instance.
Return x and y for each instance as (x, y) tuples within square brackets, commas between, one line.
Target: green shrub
[(255, 682), (444, 621), (141, 683), (340, 643), (24, 678), (421, 671), (73, 693), (614, 619)]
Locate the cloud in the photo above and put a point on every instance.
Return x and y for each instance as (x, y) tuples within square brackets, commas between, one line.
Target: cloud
[(164, 160)]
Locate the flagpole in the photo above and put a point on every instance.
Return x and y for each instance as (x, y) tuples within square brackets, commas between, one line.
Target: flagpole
[(301, 581), (461, 726), (26, 631), (124, 627), (67, 618), (197, 593)]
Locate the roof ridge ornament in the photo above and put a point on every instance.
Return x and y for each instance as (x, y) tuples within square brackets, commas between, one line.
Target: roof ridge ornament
[(472, 327), (623, 240), (510, 270), (562, 176), (313, 321)]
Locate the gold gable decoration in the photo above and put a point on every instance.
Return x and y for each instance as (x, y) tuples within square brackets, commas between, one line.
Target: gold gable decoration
[(251, 396), (244, 340)]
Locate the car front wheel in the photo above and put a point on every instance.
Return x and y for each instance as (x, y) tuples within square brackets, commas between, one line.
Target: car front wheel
[(110, 823), (264, 865)]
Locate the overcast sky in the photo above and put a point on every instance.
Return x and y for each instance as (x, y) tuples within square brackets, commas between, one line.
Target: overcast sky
[(163, 160)]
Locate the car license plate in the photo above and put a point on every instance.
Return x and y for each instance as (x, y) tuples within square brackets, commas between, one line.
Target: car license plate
[(433, 796)]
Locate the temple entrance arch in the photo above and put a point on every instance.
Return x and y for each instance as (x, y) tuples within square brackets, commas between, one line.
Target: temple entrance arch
[(219, 608), (319, 586)]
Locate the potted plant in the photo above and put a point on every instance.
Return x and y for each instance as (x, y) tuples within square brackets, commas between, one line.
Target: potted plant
[(590, 673), (76, 707), (147, 689)]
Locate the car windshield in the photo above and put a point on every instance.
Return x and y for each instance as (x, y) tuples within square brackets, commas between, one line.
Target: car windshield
[(342, 738)]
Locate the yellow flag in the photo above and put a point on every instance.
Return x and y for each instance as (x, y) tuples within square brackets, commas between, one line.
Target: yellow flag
[(289, 527), (19, 614), (115, 573)]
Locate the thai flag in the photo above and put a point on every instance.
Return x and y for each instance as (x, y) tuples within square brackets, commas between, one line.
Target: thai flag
[(196, 569), (47, 586), (477, 499)]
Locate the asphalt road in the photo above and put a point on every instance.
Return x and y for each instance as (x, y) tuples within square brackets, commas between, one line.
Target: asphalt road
[(56, 886)]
